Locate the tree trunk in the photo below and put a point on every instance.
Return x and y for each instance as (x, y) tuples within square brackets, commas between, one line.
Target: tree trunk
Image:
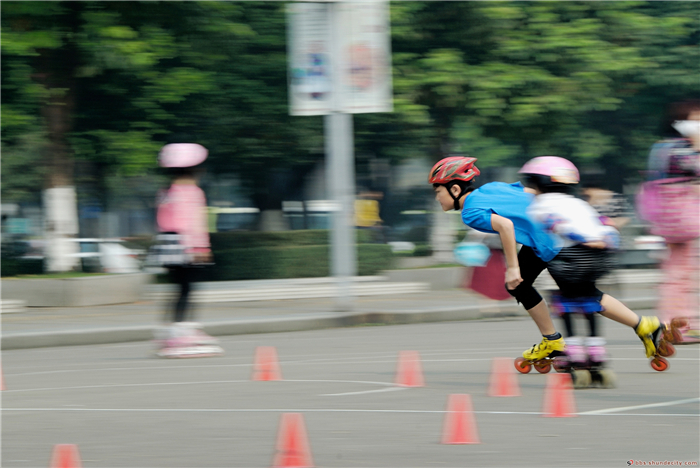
[(56, 72)]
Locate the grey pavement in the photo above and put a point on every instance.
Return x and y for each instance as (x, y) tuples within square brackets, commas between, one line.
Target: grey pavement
[(124, 408), (63, 326)]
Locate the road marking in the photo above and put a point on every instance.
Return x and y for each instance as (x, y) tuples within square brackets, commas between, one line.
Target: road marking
[(651, 405), (380, 390), (384, 384), (317, 410)]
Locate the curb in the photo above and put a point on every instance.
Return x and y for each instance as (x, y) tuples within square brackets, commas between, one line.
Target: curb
[(317, 321), (278, 324)]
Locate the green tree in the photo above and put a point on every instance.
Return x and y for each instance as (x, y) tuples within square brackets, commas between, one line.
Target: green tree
[(511, 80)]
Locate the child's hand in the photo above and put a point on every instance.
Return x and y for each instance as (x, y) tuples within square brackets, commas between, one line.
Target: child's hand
[(513, 278), (596, 245), (203, 257)]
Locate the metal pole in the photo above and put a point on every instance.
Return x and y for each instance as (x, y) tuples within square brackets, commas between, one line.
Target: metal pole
[(341, 187), (340, 161)]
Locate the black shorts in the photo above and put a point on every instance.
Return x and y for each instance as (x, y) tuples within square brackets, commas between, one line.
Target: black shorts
[(577, 268)]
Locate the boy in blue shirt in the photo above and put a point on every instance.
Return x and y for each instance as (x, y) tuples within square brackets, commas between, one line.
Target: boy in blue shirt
[(501, 208)]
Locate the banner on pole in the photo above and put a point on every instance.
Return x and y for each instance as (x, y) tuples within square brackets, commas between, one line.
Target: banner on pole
[(356, 35)]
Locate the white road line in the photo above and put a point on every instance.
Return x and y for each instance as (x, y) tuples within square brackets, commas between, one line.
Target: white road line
[(380, 390), (311, 410), (651, 405), (383, 384)]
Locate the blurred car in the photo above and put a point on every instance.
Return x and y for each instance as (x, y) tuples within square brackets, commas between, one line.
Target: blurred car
[(107, 256), (232, 218)]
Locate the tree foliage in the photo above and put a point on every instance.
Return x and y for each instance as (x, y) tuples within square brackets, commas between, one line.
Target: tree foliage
[(106, 84)]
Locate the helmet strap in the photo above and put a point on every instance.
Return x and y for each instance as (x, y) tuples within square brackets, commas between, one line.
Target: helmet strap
[(456, 199)]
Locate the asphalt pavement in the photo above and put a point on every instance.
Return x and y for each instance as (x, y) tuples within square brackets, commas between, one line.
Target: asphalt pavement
[(122, 407)]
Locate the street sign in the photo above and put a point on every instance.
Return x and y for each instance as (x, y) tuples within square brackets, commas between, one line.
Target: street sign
[(360, 39)]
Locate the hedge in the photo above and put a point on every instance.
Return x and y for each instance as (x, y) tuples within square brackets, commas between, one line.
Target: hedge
[(306, 261), (254, 255), (252, 239)]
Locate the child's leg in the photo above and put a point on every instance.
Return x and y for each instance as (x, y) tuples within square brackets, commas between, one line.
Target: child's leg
[(542, 318), (530, 268), (617, 311), (568, 319), (592, 324), (552, 342), (649, 329), (678, 292)]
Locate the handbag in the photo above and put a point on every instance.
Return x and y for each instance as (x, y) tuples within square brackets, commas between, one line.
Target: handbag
[(671, 207), (167, 251)]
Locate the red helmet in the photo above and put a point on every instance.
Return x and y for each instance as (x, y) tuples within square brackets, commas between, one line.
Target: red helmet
[(454, 168)]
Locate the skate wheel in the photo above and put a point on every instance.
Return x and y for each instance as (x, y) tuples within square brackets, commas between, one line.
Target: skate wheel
[(679, 322), (659, 364), (543, 368), (607, 378), (559, 366), (666, 349), (581, 378), (677, 336), (522, 366)]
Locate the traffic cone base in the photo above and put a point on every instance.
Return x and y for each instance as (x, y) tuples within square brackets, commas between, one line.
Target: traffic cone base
[(292, 450), (559, 397), (65, 456), (265, 364), (409, 372), (504, 382), (460, 424)]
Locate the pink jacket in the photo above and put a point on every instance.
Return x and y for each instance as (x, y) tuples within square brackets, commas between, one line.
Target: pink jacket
[(183, 210)]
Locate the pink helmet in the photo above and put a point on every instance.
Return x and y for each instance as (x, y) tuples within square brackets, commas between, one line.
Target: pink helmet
[(558, 170), (182, 155)]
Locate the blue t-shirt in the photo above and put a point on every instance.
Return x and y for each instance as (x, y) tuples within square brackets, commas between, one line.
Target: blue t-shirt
[(509, 201)]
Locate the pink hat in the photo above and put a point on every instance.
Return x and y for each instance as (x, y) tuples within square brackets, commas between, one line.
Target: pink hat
[(182, 155)]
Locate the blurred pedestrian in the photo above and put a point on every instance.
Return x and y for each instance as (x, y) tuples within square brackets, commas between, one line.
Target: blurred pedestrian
[(183, 248), (613, 207), (670, 202)]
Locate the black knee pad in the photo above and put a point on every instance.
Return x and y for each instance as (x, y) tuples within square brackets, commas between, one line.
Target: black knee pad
[(525, 295)]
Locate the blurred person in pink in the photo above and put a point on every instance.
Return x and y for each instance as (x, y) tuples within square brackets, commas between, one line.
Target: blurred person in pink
[(183, 248), (670, 202)]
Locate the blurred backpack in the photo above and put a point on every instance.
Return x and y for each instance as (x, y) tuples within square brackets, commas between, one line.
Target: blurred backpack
[(670, 200), (671, 206)]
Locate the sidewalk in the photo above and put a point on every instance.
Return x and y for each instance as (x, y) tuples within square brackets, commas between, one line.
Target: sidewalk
[(57, 326)]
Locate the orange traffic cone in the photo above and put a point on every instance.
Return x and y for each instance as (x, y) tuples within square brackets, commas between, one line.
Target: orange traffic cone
[(409, 372), (292, 449), (559, 397), (65, 456), (460, 423), (265, 365), (504, 382)]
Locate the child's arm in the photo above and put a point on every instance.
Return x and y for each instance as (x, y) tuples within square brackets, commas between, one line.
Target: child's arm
[(504, 228)]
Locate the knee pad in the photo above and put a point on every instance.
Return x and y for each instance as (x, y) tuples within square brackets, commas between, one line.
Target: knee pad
[(525, 295)]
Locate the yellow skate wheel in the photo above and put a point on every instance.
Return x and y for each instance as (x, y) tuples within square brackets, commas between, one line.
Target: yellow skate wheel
[(522, 365)]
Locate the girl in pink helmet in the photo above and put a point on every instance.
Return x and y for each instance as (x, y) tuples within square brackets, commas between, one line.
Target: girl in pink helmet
[(183, 248)]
